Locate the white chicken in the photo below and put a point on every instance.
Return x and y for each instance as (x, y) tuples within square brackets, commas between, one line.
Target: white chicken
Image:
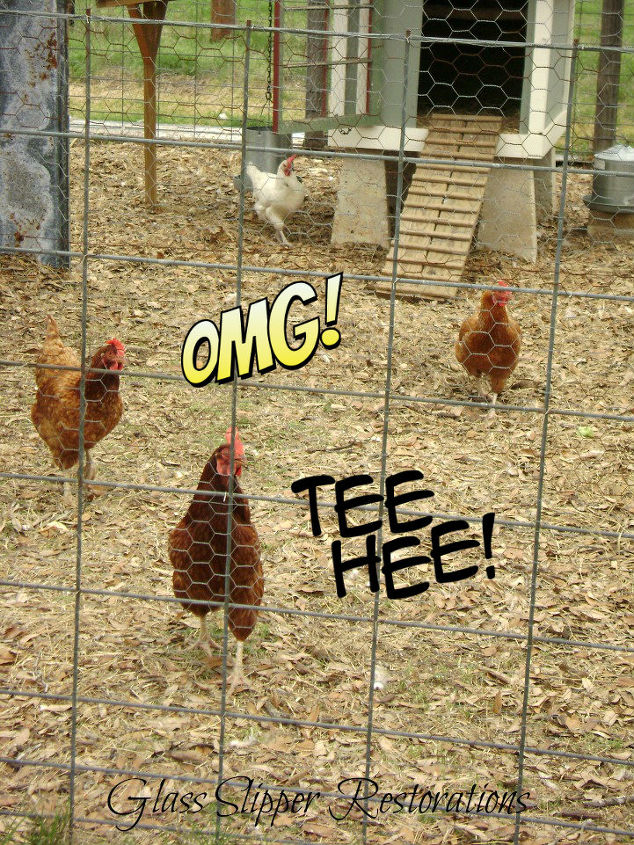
[(276, 195)]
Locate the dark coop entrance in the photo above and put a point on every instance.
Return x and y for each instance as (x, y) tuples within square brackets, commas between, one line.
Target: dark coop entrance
[(472, 78)]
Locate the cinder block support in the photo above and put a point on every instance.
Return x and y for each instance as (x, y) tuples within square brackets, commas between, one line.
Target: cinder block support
[(34, 97), (361, 212), (508, 222), (545, 189)]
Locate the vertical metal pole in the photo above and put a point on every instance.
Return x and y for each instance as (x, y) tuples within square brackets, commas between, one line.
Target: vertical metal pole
[(386, 423), (277, 61), (82, 419), (544, 437), (234, 404)]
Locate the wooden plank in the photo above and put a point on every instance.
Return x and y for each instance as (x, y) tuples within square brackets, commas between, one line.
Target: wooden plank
[(450, 131), (437, 253), (474, 182), (469, 205), (465, 120), (442, 207), (426, 262), (409, 291), (440, 221), (446, 194)]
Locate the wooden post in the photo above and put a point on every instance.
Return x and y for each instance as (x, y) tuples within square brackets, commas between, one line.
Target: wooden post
[(606, 111), (148, 37), (316, 72), (222, 12)]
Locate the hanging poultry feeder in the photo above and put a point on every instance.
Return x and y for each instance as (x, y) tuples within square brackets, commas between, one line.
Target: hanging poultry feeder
[(613, 181), (265, 146)]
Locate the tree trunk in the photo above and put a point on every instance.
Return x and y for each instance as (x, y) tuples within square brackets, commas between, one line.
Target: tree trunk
[(222, 12), (606, 111)]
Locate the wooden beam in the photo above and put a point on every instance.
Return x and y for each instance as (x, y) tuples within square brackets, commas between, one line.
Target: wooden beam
[(148, 36), (608, 78)]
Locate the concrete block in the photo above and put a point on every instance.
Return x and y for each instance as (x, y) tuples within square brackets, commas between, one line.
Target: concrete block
[(508, 221), (361, 212), (545, 189)]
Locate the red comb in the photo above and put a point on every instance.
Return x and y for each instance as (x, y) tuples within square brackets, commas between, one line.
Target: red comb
[(238, 447), (503, 283), (117, 345)]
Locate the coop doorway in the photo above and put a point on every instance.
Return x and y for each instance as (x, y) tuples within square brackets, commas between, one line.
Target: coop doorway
[(472, 78)]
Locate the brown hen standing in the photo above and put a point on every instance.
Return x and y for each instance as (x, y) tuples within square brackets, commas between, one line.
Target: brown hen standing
[(198, 551), (56, 411), (489, 342)]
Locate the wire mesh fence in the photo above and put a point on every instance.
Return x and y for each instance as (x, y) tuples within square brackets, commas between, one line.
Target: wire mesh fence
[(256, 401)]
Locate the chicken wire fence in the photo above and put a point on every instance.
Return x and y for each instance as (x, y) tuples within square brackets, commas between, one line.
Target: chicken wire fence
[(443, 146)]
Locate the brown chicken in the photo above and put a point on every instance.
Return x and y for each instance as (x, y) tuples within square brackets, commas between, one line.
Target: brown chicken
[(489, 341), (56, 411), (198, 551)]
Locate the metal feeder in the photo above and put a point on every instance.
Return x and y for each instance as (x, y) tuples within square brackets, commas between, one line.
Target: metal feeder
[(266, 149), (613, 181)]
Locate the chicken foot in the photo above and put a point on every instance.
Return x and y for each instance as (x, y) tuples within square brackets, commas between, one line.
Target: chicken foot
[(487, 397), (89, 475), (204, 640), (237, 676), (67, 493), (207, 644)]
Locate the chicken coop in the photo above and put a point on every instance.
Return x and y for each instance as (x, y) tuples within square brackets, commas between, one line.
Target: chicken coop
[(501, 68), (284, 561)]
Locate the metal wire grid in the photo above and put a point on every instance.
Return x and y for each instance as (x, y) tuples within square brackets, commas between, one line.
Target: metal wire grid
[(545, 410)]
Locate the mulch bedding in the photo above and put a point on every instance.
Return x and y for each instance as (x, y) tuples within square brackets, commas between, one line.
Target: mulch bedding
[(459, 690)]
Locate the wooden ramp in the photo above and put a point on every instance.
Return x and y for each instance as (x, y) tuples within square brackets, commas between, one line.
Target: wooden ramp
[(443, 205)]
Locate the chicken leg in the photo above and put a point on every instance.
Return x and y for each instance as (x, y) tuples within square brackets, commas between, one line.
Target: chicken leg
[(89, 467), (204, 640), (237, 676), (67, 494), (486, 397)]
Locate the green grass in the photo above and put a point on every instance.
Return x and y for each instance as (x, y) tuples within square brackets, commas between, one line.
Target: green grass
[(41, 831), (198, 79)]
